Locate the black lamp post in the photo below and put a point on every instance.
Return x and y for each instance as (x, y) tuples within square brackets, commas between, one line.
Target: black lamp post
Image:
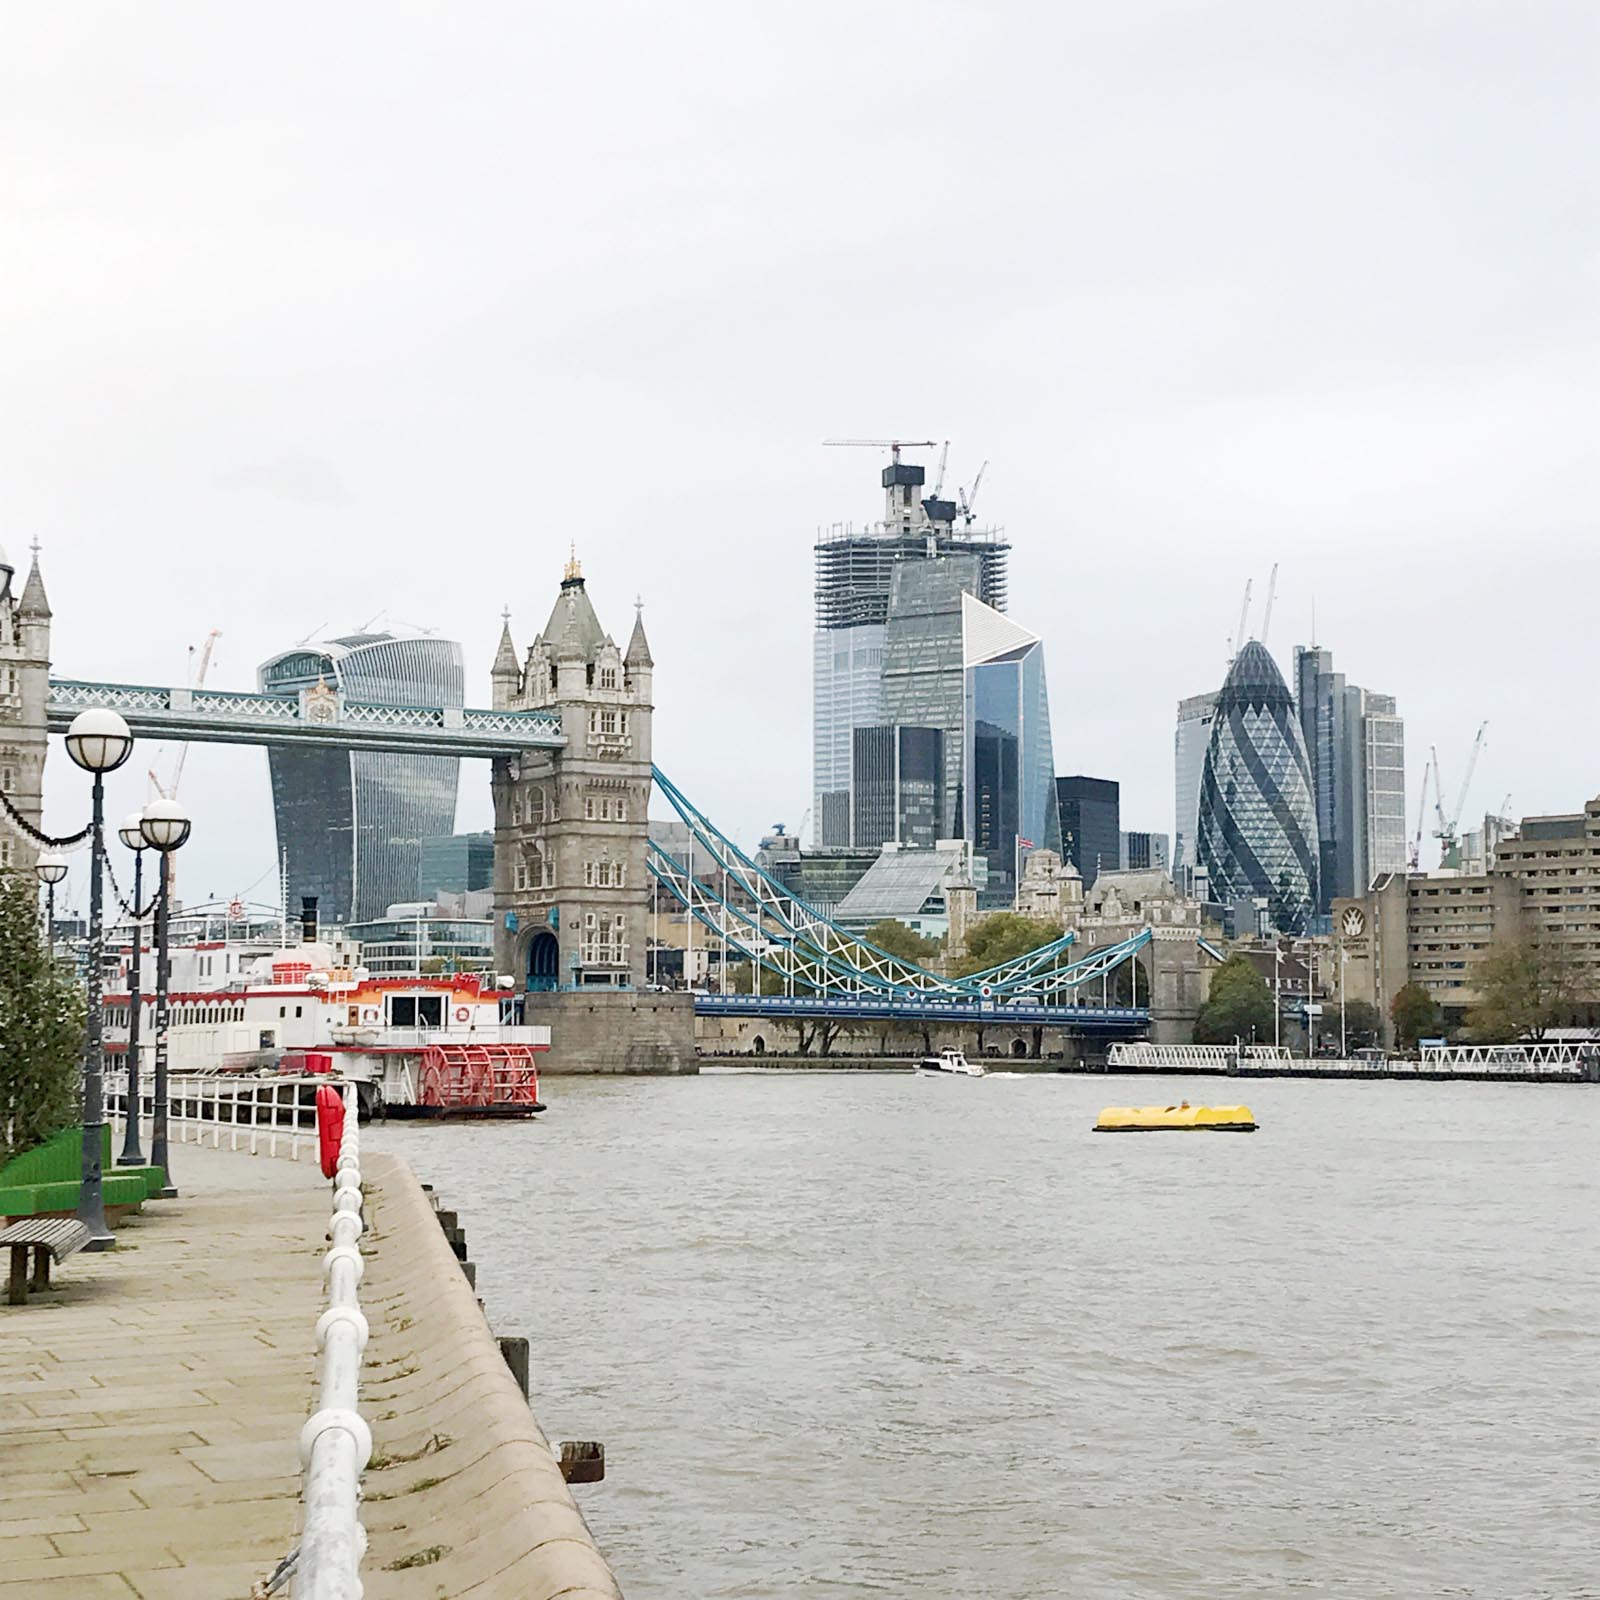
[(51, 869), (165, 825), (99, 742), (130, 833)]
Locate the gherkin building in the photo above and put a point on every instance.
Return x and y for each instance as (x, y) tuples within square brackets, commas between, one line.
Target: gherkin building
[(1257, 834)]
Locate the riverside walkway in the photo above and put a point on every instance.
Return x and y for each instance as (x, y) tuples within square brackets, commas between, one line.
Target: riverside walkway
[(152, 1399)]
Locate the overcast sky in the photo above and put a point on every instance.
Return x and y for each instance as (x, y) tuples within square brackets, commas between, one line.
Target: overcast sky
[(311, 314)]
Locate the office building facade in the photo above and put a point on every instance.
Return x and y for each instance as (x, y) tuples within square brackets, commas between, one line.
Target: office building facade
[(1355, 740), (455, 863), (351, 823), (1437, 930), (1145, 852), (1089, 812), (897, 786), (1189, 745), (1256, 835), (855, 578)]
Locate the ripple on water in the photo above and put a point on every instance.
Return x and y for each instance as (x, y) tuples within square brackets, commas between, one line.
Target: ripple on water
[(851, 1334)]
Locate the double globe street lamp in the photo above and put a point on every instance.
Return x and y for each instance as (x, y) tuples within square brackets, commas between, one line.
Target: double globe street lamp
[(99, 742), (131, 833), (164, 828), (50, 870)]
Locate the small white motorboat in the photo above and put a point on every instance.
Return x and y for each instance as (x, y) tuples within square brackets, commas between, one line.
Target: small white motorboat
[(953, 1061)]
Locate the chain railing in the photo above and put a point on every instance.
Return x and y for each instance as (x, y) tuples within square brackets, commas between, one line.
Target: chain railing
[(336, 1442)]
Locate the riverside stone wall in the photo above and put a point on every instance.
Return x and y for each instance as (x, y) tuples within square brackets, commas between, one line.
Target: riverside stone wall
[(462, 1495)]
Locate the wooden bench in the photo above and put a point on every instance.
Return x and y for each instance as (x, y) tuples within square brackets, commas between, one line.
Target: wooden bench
[(50, 1239)]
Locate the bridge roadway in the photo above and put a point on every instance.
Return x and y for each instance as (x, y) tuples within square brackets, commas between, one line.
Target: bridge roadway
[(1093, 1021), (314, 717)]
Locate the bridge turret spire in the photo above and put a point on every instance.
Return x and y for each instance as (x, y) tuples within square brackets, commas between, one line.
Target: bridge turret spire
[(505, 668), (34, 601), (638, 654)]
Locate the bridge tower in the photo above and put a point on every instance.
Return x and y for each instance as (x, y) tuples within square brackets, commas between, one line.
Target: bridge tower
[(24, 688), (570, 882)]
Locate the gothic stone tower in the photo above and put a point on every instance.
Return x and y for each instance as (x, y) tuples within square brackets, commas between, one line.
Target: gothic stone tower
[(570, 895), (24, 685)]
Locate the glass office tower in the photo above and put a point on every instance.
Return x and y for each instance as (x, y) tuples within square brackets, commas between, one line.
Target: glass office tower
[(1189, 745), (1090, 810), (855, 575), (1257, 834), (351, 823), (1008, 759)]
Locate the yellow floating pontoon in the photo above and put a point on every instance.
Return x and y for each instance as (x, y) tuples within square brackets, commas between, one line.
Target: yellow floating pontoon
[(1152, 1119)]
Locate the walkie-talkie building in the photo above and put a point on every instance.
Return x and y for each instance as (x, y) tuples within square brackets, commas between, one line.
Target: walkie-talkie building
[(351, 823), (1257, 833)]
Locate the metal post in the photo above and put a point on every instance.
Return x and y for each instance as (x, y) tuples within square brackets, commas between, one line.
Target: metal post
[(158, 1113), (1277, 994), (131, 1155), (50, 918), (91, 1196), (1344, 1049)]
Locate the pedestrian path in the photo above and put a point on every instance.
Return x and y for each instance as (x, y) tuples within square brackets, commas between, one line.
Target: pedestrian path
[(150, 1401)]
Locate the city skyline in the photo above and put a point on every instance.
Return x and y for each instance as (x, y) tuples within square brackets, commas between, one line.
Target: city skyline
[(339, 406)]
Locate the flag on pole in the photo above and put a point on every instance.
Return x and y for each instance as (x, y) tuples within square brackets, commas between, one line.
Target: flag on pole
[(1024, 844)]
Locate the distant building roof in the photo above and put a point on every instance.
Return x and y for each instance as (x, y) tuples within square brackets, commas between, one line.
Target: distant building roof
[(901, 881)]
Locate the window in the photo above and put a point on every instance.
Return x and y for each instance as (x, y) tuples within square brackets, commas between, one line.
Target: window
[(608, 677), (516, 810), (588, 808)]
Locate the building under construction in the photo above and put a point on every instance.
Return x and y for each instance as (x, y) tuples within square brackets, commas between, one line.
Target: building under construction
[(855, 571)]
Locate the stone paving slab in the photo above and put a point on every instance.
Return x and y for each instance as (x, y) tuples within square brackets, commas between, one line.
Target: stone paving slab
[(151, 1400)]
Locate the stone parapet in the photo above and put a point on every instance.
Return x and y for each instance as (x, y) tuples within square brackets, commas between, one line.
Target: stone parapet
[(631, 1031), (463, 1496)]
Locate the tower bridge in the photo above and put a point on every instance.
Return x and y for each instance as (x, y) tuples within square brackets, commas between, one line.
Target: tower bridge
[(568, 734)]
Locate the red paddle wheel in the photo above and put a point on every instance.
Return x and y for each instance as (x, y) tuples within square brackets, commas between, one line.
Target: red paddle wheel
[(478, 1077)]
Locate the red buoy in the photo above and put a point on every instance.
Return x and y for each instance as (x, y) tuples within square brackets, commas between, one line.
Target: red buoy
[(330, 1127)]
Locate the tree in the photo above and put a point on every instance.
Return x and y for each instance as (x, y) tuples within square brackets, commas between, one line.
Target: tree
[(41, 1027), (1526, 986), (1238, 1005), (896, 939), (739, 980), (1416, 1016), (1363, 1025), (1002, 937)]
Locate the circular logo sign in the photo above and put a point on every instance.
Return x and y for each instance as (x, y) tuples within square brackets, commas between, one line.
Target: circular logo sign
[(985, 990), (1354, 922)]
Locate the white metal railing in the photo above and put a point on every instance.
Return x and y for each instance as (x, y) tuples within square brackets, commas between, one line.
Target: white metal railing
[(261, 1116), (1137, 1053), (336, 1442), (1512, 1059)]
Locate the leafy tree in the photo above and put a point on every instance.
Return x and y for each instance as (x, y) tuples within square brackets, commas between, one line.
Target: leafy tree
[(1238, 1005), (739, 979), (1002, 937), (897, 939), (41, 1027), (1363, 1025), (1415, 1014), (1526, 986)]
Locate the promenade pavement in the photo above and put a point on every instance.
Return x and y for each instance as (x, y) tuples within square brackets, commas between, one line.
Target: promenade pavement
[(150, 1402)]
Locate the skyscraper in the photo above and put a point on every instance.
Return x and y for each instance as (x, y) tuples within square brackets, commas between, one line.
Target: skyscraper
[(1189, 758), (351, 823), (1090, 813), (1257, 831), (855, 573), (1356, 744)]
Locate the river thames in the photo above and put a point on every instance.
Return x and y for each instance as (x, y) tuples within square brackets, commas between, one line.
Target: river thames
[(857, 1334)]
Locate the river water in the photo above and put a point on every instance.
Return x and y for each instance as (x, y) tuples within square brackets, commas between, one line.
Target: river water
[(856, 1334)]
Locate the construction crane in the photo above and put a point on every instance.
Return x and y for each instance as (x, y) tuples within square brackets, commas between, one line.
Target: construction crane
[(968, 499), (894, 445), (197, 679), (1448, 832), (1236, 643), (938, 482), (1272, 594), (1415, 859)]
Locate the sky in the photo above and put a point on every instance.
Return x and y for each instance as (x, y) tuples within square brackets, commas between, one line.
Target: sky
[(315, 315)]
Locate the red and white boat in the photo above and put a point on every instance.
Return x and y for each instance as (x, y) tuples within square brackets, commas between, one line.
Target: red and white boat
[(448, 1044)]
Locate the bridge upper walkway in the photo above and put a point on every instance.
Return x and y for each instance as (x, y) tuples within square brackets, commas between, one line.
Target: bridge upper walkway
[(1071, 1017), (321, 717)]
